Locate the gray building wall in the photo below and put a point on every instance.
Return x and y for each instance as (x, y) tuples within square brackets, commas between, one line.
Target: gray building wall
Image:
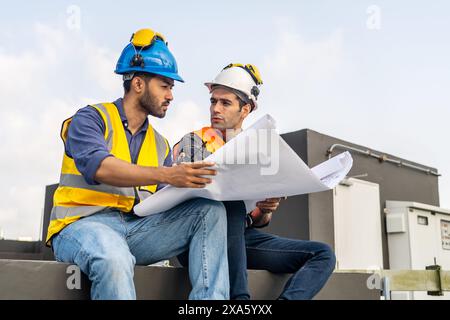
[(292, 218), (26, 250), (311, 216), (33, 250)]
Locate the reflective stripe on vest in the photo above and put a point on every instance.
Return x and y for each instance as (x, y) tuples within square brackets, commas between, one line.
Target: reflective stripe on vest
[(212, 138), (75, 198)]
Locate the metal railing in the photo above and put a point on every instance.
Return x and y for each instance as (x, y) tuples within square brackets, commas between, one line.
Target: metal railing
[(434, 280), (381, 158)]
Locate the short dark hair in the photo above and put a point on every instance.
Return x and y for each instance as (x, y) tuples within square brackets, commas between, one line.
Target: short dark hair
[(242, 103), (146, 76)]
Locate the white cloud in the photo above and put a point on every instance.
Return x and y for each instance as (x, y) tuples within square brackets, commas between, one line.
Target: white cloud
[(307, 62), (314, 84), (296, 75), (64, 71), (46, 83), (40, 87)]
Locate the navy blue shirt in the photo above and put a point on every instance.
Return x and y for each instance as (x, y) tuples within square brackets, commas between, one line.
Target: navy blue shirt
[(86, 142)]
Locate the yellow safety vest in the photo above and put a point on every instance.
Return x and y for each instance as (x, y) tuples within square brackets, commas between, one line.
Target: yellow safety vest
[(75, 198), (211, 137)]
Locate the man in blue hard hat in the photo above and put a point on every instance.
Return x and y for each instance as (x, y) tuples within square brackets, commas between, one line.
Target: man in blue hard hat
[(114, 159)]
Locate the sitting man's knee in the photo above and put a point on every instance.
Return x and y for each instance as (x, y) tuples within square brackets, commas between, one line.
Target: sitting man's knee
[(213, 209), (115, 262)]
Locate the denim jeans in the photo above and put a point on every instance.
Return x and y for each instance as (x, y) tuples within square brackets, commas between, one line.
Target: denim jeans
[(236, 214), (310, 262), (108, 244)]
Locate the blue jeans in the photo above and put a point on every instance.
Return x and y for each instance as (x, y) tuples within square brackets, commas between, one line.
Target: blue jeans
[(310, 262), (108, 244), (236, 214)]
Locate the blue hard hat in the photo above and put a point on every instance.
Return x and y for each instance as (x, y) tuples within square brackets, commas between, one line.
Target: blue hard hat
[(154, 58)]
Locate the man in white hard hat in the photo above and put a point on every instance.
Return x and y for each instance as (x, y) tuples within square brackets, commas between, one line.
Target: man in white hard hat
[(234, 93)]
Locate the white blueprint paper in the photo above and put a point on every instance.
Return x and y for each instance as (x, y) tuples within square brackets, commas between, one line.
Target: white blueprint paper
[(249, 169)]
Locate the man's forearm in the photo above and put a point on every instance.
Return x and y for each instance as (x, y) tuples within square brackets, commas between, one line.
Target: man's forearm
[(120, 173)]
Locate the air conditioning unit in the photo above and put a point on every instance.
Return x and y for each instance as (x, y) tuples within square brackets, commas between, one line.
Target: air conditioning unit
[(418, 236), (357, 225)]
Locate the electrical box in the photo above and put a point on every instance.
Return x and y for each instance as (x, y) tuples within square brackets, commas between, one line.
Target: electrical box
[(357, 225), (418, 236)]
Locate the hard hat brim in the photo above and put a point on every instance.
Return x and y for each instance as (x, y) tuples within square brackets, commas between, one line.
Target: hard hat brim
[(173, 76), (211, 84), (169, 75)]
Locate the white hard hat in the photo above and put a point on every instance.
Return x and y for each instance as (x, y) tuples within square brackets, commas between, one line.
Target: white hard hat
[(243, 78)]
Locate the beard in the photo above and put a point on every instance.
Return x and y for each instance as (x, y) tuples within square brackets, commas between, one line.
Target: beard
[(151, 104), (219, 126)]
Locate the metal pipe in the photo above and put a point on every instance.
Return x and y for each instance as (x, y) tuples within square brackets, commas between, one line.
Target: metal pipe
[(381, 158), (386, 288)]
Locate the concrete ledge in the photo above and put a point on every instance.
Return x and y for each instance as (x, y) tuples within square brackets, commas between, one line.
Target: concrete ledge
[(47, 280)]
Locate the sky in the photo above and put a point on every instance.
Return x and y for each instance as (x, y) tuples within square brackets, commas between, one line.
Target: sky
[(375, 73)]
